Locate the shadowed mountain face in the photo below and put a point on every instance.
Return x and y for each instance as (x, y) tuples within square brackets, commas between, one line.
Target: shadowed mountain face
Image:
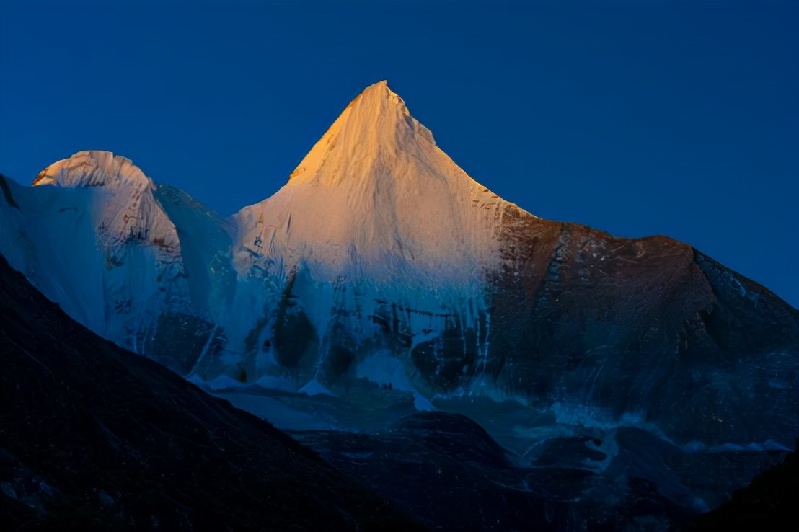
[(94, 436), (649, 326)]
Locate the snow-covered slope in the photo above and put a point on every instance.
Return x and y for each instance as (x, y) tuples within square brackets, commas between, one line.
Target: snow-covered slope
[(377, 233), (128, 210), (92, 236), (377, 194)]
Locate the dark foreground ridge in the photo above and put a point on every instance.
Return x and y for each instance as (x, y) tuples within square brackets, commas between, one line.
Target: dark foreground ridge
[(771, 502), (94, 437)]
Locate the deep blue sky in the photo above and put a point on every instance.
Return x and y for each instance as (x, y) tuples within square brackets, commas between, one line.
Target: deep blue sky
[(633, 117)]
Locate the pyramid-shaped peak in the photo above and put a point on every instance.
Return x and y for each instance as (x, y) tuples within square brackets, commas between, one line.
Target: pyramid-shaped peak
[(380, 86), (374, 188), (91, 169), (376, 127), (378, 99), (380, 92)]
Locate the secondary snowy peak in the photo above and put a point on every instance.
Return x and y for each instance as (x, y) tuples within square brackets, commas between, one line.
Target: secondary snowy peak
[(377, 192), (92, 169), (124, 208)]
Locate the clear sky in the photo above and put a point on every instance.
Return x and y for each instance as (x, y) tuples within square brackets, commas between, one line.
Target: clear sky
[(636, 117)]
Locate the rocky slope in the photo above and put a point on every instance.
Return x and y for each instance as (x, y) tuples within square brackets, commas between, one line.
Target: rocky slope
[(95, 437)]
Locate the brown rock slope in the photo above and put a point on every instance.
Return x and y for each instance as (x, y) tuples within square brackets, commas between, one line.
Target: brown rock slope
[(646, 325)]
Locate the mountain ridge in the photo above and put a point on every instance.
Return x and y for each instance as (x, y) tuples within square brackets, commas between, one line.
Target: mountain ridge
[(94, 436), (384, 180), (381, 261)]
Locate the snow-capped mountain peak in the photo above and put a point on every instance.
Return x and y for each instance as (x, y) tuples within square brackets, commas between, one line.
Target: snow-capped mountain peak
[(374, 128), (94, 168), (124, 207), (381, 267), (390, 194)]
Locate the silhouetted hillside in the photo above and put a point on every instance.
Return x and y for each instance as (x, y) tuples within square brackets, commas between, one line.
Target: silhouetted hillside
[(92, 436)]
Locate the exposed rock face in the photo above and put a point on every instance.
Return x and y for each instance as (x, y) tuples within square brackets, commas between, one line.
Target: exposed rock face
[(649, 326)]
